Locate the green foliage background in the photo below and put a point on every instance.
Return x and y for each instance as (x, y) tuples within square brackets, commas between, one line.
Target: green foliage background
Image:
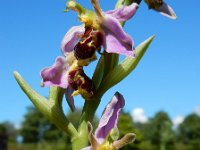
[(157, 134)]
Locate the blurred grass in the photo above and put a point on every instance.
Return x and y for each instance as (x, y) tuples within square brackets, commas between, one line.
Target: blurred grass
[(39, 146)]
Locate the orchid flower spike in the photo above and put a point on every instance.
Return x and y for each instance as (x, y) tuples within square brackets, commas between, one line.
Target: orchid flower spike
[(162, 7), (100, 29), (106, 135), (68, 74)]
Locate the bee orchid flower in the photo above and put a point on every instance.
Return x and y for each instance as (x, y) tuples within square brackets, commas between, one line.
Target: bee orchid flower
[(106, 135), (105, 26), (66, 73)]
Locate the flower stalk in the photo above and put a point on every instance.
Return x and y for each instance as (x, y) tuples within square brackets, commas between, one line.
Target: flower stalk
[(106, 63)]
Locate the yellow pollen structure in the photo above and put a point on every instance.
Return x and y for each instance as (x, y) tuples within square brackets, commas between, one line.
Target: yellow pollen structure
[(106, 146)]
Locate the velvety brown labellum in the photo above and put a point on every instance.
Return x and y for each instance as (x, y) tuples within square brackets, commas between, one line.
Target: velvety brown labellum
[(89, 43), (78, 80)]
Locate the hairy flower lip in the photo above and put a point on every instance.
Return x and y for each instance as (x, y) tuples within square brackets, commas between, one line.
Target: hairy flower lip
[(88, 44), (81, 83), (69, 77)]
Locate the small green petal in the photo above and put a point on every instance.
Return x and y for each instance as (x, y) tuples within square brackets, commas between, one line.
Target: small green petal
[(127, 139), (114, 134), (71, 4)]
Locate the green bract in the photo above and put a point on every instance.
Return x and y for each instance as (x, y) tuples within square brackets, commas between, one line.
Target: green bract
[(124, 68)]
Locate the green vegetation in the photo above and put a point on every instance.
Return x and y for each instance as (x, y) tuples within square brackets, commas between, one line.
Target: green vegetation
[(157, 134), (39, 146), (189, 132)]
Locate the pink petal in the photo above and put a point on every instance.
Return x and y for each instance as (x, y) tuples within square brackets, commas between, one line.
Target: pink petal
[(56, 75), (115, 39), (167, 11), (110, 117), (124, 13), (70, 39)]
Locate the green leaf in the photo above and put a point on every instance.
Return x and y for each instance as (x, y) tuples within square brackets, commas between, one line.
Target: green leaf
[(111, 60), (50, 108), (39, 101), (125, 68)]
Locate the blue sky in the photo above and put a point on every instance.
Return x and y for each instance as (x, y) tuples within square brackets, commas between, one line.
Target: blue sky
[(167, 78)]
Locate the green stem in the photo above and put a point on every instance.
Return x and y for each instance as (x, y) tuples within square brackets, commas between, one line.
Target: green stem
[(98, 73), (55, 100), (111, 60), (81, 140), (91, 107), (162, 146)]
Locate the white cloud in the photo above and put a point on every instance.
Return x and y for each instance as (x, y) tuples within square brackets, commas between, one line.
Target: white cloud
[(138, 115), (18, 125), (196, 110), (178, 120)]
